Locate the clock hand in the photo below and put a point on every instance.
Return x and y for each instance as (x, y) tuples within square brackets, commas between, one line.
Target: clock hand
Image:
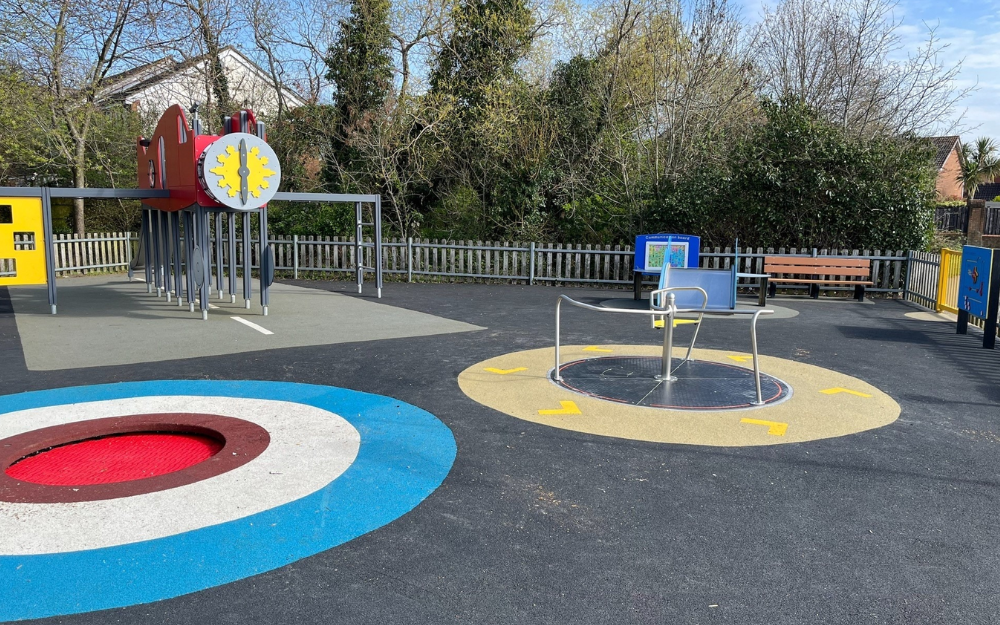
[(244, 172)]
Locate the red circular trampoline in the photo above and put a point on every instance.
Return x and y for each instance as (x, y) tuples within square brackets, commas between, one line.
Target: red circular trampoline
[(116, 458)]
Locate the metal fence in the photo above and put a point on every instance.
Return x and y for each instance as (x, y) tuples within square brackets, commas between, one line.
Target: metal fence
[(531, 263), (437, 260)]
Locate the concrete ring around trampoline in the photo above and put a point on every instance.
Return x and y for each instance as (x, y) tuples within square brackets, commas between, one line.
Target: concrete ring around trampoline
[(611, 390)]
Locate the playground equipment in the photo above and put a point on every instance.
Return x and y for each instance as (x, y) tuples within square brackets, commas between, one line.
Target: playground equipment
[(682, 291), (187, 180)]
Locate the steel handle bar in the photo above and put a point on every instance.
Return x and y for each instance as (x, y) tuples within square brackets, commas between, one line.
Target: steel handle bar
[(670, 312)]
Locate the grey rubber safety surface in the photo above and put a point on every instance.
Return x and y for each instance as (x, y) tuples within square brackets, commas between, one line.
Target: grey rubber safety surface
[(699, 385)]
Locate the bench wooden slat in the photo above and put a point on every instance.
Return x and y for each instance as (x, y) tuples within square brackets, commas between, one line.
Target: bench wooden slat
[(823, 261), (819, 271), (804, 281)]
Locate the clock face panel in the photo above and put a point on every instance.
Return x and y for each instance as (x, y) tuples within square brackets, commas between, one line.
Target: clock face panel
[(240, 171)]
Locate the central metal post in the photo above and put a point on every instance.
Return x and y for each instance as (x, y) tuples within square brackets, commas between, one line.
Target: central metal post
[(668, 342)]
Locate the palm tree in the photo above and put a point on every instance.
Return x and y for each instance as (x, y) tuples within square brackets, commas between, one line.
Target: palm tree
[(977, 164)]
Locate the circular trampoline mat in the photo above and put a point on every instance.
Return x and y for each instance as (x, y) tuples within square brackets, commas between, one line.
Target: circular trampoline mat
[(700, 385)]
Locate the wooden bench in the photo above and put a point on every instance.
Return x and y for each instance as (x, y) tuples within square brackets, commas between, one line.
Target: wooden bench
[(817, 271)]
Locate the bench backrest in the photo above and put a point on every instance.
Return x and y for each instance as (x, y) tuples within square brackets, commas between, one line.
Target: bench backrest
[(720, 284), (818, 265)]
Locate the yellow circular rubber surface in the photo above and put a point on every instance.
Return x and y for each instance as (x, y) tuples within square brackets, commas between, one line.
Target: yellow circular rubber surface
[(824, 403)]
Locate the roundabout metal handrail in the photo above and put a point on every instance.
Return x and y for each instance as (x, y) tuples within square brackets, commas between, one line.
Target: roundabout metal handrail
[(670, 311)]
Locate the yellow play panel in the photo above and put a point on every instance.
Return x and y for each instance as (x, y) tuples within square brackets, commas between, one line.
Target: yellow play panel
[(22, 241), (823, 404)]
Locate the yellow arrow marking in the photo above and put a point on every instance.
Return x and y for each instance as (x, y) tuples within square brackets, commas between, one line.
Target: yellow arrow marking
[(740, 358), (677, 322), (505, 371), (834, 391), (774, 428), (568, 407), (594, 348)]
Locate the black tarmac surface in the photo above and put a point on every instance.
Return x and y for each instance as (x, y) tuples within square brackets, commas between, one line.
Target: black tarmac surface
[(540, 525)]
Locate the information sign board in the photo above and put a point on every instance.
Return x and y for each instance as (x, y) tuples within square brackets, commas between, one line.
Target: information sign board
[(974, 282), (652, 250)]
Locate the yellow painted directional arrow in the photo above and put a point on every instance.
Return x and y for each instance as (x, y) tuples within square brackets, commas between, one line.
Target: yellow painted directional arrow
[(774, 428), (835, 390), (740, 358), (594, 348), (677, 322), (505, 371), (568, 407)]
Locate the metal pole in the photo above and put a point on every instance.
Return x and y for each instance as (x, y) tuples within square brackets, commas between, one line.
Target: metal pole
[(555, 371), (409, 259), (377, 218), (358, 261), (218, 252), (668, 342), (128, 255), (204, 240), (189, 249), (231, 217), (295, 256), (157, 241), (50, 256), (264, 287), (175, 236), (147, 252), (756, 365), (247, 287), (909, 271), (531, 264), (168, 281)]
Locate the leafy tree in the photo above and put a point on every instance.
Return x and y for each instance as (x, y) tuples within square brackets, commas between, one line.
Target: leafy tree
[(977, 163), (359, 63)]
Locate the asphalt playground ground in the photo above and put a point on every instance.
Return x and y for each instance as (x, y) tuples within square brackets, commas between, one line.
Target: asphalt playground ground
[(525, 517)]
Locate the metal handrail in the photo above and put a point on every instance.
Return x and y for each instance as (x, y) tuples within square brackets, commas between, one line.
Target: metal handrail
[(670, 311)]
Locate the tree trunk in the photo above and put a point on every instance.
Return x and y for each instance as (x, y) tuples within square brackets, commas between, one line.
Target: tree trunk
[(79, 182)]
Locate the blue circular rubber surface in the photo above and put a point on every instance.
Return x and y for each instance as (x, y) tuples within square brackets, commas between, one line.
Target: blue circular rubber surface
[(404, 455)]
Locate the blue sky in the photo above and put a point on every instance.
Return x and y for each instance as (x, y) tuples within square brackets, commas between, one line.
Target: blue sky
[(971, 30)]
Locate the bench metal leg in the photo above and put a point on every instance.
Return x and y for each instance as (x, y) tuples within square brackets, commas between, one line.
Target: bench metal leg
[(814, 291), (859, 292), (637, 286), (772, 289), (762, 294)]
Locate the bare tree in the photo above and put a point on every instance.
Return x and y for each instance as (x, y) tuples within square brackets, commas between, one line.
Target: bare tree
[(842, 57), (70, 48)]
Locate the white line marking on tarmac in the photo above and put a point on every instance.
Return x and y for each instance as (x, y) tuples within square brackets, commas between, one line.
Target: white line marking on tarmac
[(251, 324)]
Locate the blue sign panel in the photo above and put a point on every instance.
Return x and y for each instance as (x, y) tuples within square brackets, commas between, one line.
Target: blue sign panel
[(652, 250), (974, 283)]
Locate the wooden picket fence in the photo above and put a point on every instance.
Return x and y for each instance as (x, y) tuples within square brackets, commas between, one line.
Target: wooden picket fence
[(93, 253)]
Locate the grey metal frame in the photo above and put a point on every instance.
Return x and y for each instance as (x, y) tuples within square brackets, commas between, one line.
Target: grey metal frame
[(669, 312), (161, 241)]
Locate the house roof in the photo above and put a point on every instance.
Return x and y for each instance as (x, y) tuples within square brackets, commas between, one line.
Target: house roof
[(988, 191), (944, 146), (132, 81)]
